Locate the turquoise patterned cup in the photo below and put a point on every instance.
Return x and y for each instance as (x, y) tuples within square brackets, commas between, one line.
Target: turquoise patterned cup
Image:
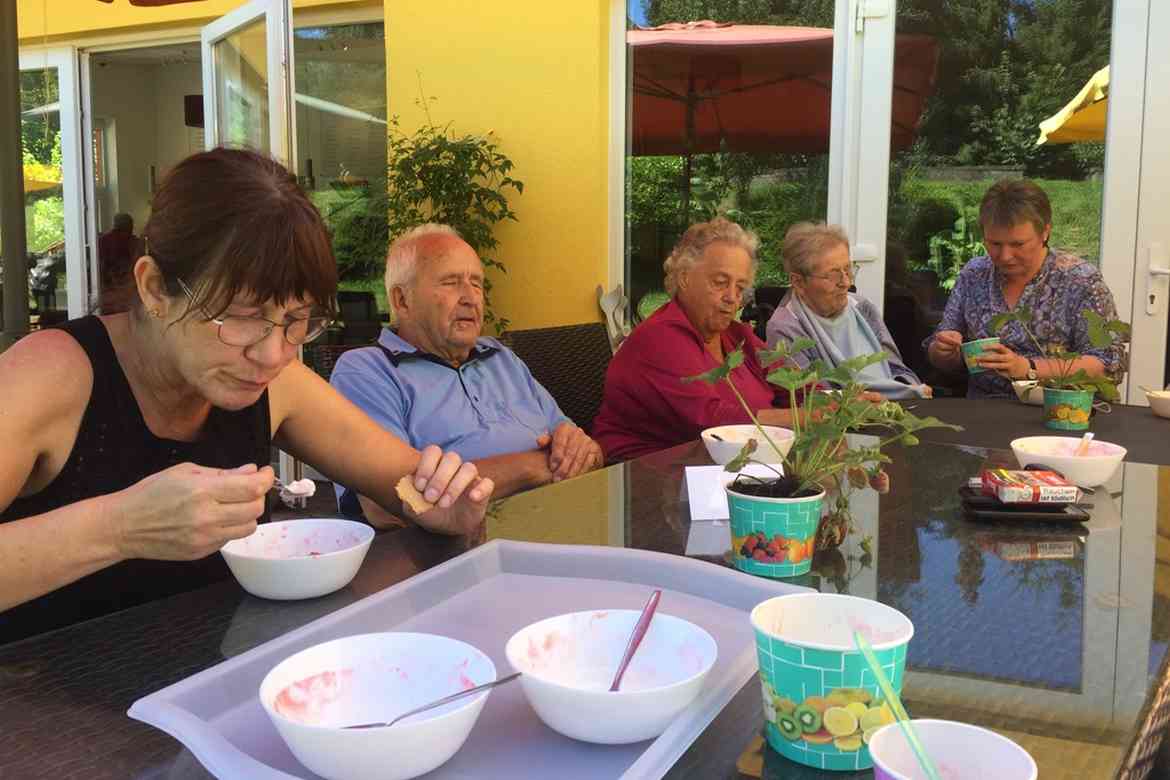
[(973, 350), (822, 703), (773, 537)]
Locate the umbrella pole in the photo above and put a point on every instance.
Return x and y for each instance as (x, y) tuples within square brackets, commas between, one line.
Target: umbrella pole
[(13, 250), (690, 143)]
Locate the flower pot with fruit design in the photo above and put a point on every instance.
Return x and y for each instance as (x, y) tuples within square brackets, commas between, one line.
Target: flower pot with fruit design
[(1067, 410), (773, 537)]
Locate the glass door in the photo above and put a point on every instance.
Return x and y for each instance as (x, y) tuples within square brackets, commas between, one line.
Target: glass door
[(247, 58), (247, 95), (59, 280)]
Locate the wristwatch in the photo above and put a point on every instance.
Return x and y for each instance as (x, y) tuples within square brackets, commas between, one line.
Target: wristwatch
[(1032, 375)]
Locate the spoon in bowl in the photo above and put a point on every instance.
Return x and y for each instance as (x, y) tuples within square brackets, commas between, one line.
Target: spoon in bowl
[(437, 703), (636, 637), (1083, 447)]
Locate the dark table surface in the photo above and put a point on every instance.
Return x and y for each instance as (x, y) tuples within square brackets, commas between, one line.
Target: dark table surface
[(995, 422), (1055, 635)]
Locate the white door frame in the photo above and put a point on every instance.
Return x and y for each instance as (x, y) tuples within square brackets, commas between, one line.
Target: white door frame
[(859, 137), (77, 278), (277, 18)]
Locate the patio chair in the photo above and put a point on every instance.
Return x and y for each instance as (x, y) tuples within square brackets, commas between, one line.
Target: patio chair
[(321, 357), (358, 310), (570, 361)]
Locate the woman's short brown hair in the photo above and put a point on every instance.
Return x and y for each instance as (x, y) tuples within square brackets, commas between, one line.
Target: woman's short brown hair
[(1009, 202), (807, 242), (231, 221)]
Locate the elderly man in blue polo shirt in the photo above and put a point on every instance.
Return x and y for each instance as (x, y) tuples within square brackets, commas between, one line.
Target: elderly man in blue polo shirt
[(435, 380)]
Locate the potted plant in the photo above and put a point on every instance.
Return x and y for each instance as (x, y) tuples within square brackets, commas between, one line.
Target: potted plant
[(1068, 395), (775, 518)]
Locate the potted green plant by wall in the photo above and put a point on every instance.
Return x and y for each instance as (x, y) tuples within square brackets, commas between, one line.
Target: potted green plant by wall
[(775, 518), (1069, 394), (433, 174)]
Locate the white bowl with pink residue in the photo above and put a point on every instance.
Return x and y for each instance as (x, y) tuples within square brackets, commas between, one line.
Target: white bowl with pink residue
[(1095, 467), (569, 661), (298, 559), (313, 695)]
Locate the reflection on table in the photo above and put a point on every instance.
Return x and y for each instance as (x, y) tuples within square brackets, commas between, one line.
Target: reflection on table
[(1035, 630)]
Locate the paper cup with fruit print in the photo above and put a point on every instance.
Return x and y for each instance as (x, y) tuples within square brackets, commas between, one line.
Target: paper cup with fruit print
[(773, 537), (973, 350), (822, 703), (1067, 410)]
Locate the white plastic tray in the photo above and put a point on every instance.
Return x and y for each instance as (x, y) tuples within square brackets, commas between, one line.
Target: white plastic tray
[(483, 597)]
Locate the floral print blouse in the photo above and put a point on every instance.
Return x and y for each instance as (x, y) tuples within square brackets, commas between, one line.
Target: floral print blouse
[(1064, 287)]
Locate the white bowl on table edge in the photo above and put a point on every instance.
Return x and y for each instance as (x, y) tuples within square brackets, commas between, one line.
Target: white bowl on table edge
[(959, 750), (377, 677), (1095, 468), (1159, 402), (569, 661), (298, 559), (1029, 391), (735, 436)]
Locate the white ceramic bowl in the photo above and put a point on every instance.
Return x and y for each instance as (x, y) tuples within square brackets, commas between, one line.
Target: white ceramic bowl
[(1159, 402), (313, 695), (735, 436), (569, 661), (1095, 468), (298, 559), (960, 751), (1029, 391)]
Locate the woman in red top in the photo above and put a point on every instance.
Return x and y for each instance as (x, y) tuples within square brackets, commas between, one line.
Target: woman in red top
[(647, 406)]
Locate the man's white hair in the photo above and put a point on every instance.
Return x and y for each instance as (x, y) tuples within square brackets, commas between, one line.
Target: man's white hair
[(403, 255)]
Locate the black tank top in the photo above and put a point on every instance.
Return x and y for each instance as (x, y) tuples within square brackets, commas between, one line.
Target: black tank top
[(113, 450)]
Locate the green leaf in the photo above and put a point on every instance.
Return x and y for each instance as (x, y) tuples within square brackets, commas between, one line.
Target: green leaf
[(742, 457), (731, 361)]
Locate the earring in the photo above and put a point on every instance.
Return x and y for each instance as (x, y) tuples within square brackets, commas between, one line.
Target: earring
[(156, 313)]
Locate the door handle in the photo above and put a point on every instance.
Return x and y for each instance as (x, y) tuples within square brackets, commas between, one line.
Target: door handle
[(1159, 275)]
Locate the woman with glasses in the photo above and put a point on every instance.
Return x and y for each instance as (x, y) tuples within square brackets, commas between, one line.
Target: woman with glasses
[(137, 443), (841, 324), (1020, 270)]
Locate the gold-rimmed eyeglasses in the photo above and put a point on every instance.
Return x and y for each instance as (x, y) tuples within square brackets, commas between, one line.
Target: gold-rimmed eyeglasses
[(838, 275), (246, 331)]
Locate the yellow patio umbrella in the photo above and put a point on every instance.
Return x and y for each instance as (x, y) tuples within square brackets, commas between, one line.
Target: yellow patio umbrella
[(38, 177), (1083, 119)]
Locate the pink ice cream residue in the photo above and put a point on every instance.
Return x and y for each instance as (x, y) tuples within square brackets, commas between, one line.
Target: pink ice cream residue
[(305, 700)]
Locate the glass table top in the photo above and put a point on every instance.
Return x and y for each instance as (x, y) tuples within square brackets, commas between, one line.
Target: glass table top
[(1052, 634)]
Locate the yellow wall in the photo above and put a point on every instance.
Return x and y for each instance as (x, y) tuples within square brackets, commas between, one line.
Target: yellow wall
[(68, 20), (535, 73)]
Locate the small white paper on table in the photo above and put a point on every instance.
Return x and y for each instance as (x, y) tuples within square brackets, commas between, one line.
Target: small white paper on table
[(705, 488)]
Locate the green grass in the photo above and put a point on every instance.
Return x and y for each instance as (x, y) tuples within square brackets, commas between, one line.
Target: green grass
[(1076, 209)]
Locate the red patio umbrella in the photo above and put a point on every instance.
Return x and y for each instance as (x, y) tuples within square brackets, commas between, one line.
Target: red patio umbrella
[(707, 87)]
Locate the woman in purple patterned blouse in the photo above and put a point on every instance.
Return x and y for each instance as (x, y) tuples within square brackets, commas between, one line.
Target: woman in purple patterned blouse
[(1020, 269)]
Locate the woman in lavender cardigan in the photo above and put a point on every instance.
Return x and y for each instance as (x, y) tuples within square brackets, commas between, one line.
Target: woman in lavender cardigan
[(841, 324)]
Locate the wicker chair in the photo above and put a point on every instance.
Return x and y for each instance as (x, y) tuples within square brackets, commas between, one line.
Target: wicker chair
[(322, 357), (570, 361)]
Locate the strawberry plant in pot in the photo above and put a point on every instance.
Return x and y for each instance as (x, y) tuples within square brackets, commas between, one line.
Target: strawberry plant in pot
[(1070, 391), (776, 519)]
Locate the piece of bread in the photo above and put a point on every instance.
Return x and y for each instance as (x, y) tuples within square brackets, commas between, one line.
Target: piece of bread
[(410, 495)]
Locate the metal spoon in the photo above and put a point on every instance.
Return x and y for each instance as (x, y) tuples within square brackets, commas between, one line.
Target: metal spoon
[(636, 637), (437, 703)]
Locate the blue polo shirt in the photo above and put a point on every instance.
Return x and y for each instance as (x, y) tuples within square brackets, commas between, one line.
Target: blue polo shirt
[(488, 406)]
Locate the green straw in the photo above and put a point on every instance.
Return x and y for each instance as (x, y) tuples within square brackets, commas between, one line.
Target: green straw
[(896, 705)]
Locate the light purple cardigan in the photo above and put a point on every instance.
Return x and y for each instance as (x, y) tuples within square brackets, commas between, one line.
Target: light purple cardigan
[(785, 325)]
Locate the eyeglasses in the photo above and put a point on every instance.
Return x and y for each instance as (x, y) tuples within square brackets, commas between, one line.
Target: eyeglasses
[(246, 331), (839, 275)]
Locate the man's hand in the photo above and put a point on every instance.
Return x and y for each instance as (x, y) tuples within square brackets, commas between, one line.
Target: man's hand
[(570, 452), (1003, 361)]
